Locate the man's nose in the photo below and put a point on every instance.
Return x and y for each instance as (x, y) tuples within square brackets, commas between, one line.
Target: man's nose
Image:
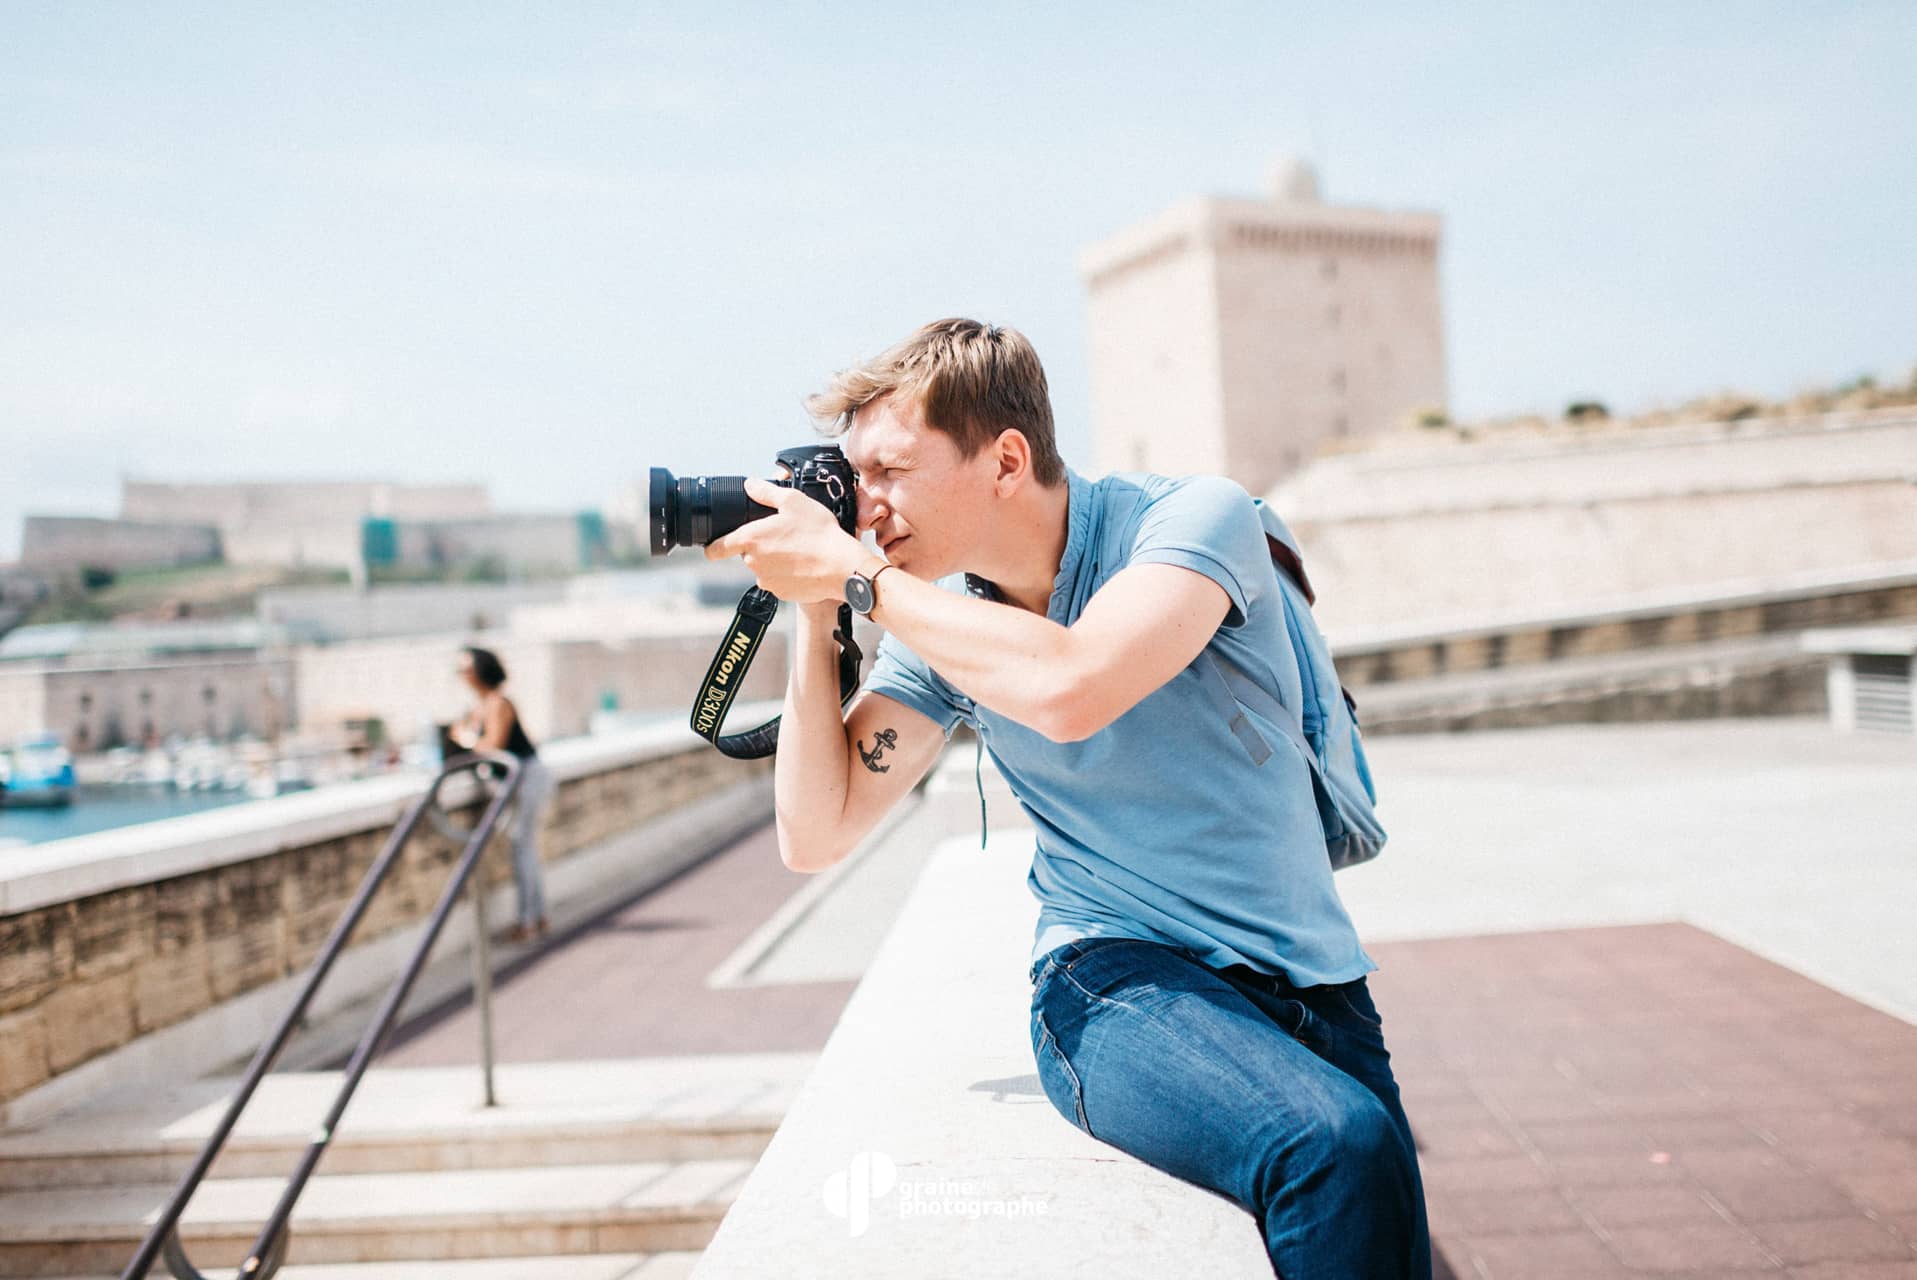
[(871, 510)]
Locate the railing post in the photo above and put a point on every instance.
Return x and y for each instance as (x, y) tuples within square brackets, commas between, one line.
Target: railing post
[(483, 981)]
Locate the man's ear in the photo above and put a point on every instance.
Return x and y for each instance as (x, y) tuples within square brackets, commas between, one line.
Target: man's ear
[(1013, 453)]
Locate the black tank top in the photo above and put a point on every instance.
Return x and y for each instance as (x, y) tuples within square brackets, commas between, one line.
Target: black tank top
[(516, 740)]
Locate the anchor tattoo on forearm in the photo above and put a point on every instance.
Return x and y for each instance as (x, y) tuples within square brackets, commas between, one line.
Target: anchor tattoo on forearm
[(880, 741)]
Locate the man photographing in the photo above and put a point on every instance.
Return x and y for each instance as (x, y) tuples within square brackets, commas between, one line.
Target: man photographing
[(1199, 996)]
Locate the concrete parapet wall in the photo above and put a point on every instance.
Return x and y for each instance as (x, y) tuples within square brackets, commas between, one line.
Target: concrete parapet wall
[(1382, 655), (108, 938), (1674, 657), (1769, 676)]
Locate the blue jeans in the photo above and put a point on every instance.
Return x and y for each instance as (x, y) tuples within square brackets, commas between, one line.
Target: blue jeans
[(1278, 1097)]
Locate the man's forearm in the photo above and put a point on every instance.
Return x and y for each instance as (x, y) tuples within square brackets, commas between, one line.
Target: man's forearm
[(998, 655), (809, 772)]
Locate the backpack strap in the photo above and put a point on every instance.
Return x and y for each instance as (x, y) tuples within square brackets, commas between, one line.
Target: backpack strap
[(1231, 691), (1284, 548), (1229, 710)]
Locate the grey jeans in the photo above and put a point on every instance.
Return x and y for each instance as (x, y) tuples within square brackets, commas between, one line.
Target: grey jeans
[(536, 785)]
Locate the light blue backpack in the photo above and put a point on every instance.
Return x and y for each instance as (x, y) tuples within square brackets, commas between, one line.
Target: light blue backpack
[(1324, 729)]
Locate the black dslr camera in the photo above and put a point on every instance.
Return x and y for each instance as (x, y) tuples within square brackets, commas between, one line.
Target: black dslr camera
[(698, 509)]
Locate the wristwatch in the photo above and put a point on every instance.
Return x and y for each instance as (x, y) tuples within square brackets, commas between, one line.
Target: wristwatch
[(861, 589)]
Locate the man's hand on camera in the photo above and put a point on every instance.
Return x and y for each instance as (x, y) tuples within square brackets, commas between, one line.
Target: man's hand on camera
[(799, 553)]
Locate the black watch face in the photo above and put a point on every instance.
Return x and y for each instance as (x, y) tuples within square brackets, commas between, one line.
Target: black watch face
[(858, 593)]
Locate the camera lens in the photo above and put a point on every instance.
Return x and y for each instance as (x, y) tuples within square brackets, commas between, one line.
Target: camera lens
[(692, 511)]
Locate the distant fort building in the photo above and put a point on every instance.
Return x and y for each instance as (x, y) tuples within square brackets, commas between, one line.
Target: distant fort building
[(1235, 336), (366, 526), (298, 522), (75, 542)]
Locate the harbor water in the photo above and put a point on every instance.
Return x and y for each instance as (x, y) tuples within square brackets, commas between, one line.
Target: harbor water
[(104, 808)]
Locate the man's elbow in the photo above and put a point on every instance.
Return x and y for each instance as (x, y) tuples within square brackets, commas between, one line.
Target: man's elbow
[(806, 853), (1074, 712)]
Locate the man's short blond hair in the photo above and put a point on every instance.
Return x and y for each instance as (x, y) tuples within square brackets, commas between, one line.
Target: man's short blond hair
[(971, 381)]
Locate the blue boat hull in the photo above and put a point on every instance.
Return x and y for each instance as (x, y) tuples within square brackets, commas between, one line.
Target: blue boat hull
[(49, 797)]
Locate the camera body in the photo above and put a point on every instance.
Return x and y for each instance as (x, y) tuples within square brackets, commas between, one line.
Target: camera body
[(693, 511), (697, 509)]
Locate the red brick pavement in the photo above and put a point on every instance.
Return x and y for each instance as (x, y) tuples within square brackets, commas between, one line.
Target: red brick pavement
[(1651, 1100), (633, 982)]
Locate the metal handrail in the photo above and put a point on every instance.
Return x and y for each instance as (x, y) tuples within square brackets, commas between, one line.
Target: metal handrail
[(269, 1250)]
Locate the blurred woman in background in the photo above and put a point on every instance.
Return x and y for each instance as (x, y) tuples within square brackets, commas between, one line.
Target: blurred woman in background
[(493, 725)]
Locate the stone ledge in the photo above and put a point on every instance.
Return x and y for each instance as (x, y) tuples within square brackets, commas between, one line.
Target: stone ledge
[(929, 1076), (225, 1034), (1764, 676), (1806, 585), (1890, 642), (185, 960)]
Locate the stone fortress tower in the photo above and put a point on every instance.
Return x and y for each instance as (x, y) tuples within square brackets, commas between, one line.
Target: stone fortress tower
[(1235, 336)]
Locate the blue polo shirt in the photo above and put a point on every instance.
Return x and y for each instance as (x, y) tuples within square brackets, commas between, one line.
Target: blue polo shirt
[(1159, 826)]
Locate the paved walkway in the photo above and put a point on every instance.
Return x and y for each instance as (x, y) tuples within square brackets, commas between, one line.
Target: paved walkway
[(1649, 988), (1791, 840), (632, 983), (1648, 1100)]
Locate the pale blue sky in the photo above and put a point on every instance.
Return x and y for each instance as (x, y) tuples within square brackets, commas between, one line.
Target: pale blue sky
[(546, 251)]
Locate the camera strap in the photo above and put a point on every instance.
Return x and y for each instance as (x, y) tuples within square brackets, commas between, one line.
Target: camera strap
[(757, 608)]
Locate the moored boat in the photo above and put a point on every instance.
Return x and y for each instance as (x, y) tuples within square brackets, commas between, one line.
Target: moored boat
[(36, 772)]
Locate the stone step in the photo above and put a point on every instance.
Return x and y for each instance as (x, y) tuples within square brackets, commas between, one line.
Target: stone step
[(1756, 675), (673, 1265), (433, 1217), (426, 1118)]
